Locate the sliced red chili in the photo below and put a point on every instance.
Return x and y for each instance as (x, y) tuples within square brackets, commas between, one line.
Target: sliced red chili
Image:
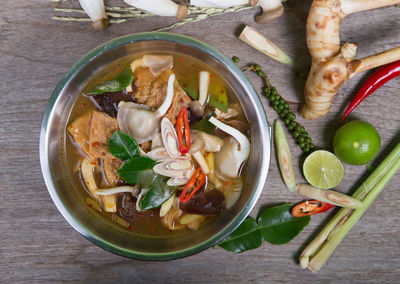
[(183, 131), (197, 180), (310, 207), (377, 79)]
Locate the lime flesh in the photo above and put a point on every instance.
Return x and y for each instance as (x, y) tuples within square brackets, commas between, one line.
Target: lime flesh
[(323, 169)]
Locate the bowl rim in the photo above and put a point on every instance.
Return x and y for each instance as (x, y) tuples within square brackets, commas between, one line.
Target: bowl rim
[(265, 133)]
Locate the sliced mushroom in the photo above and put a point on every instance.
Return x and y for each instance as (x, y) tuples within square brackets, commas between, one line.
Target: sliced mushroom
[(141, 123), (201, 141), (117, 189), (231, 112), (204, 82), (233, 154)]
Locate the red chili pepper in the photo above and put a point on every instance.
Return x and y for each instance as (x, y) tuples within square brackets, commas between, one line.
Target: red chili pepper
[(377, 79), (310, 207), (197, 180), (182, 129)]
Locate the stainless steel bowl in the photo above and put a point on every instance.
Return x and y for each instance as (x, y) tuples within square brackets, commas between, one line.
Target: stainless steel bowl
[(67, 195)]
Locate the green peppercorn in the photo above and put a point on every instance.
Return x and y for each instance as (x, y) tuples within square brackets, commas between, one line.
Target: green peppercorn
[(267, 91), (311, 146), (302, 129), (295, 134), (275, 102), (283, 113), (287, 122), (292, 124), (298, 127), (276, 96), (304, 133), (302, 145), (291, 115), (275, 107), (260, 73), (308, 140), (235, 59), (301, 139), (285, 105), (306, 149), (273, 91), (279, 108), (257, 67), (281, 101)]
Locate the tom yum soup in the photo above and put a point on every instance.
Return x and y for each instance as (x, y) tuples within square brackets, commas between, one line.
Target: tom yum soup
[(161, 146)]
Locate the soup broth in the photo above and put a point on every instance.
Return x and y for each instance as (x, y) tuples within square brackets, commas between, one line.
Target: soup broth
[(221, 187)]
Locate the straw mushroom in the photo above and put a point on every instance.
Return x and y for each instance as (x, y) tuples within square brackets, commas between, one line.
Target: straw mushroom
[(95, 10), (233, 154), (139, 121), (272, 9), (165, 8)]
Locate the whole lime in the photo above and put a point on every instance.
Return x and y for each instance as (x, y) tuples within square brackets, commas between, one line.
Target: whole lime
[(357, 142)]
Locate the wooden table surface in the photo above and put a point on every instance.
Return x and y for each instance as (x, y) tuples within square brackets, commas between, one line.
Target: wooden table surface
[(38, 245)]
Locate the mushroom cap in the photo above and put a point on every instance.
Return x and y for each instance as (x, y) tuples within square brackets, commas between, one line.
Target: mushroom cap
[(101, 24), (182, 12), (269, 16)]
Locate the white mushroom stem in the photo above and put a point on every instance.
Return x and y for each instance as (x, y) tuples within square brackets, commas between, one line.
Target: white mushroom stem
[(165, 8), (117, 189), (222, 3), (239, 136), (204, 81), (168, 99), (95, 10), (323, 41), (272, 9), (202, 162)]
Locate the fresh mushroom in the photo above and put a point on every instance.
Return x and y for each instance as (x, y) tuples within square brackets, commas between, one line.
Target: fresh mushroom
[(156, 63), (139, 121), (233, 154), (222, 3), (272, 9), (166, 8), (95, 10)]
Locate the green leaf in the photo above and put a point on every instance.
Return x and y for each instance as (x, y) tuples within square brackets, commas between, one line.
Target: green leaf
[(204, 125), (191, 92), (138, 171), (275, 225), (121, 82), (245, 237), (123, 146), (218, 97), (278, 226), (158, 193)]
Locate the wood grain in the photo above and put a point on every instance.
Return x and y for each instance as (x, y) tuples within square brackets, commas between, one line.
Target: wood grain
[(39, 246)]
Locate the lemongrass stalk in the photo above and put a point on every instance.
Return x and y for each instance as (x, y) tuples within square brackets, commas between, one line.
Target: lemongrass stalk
[(359, 194), (318, 260), (329, 196)]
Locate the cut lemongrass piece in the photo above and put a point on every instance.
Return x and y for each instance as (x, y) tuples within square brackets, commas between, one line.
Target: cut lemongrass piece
[(284, 158), (328, 196), (256, 40)]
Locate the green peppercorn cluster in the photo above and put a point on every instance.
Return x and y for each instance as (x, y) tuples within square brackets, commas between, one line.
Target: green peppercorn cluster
[(282, 108)]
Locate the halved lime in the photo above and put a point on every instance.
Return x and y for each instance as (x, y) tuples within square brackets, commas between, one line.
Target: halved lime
[(323, 169)]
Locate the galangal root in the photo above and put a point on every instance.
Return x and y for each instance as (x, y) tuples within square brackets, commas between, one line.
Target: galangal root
[(332, 64)]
